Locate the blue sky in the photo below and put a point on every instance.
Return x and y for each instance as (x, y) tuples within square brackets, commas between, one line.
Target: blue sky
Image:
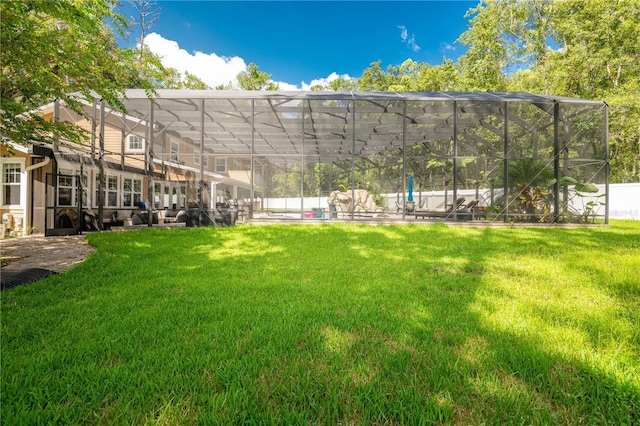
[(304, 42)]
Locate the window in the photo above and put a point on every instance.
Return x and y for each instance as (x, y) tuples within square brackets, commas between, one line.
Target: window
[(221, 165), (170, 195), (66, 188), (157, 189), (240, 165), (183, 196), (131, 192), (135, 143), (166, 200), (84, 179), (257, 175), (175, 150), (112, 191), (205, 160), (11, 173), (178, 196), (111, 184)]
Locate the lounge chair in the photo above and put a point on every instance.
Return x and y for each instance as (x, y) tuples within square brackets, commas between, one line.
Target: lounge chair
[(469, 211), (445, 213)]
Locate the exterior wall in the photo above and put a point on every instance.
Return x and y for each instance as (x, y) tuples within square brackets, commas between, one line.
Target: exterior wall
[(14, 216), (188, 154), (113, 137)]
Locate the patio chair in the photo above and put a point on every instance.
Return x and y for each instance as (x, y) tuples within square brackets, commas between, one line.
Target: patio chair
[(243, 209), (468, 211), (441, 213)]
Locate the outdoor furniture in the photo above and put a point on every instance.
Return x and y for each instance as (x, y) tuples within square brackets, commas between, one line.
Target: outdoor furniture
[(319, 211), (142, 218), (470, 211), (441, 213), (243, 209), (333, 212)]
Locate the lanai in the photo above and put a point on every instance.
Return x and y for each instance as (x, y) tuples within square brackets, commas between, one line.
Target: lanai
[(303, 145)]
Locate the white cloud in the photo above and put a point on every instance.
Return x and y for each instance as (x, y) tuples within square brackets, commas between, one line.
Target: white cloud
[(215, 70), (209, 67), (410, 41), (286, 86), (404, 34), (324, 81), (447, 47)]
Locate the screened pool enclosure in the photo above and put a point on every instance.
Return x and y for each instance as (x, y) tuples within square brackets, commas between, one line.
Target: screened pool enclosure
[(494, 157)]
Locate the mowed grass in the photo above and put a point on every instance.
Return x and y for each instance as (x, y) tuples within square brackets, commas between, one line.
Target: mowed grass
[(332, 324)]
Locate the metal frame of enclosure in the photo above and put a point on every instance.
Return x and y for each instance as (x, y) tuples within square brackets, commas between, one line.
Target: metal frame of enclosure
[(492, 157)]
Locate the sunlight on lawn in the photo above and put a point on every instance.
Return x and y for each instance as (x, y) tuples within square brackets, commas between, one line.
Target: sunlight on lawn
[(330, 325)]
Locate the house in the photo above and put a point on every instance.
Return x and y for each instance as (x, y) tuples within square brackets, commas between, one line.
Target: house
[(42, 186)]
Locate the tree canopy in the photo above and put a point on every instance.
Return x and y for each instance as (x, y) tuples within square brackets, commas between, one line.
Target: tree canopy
[(67, 50), (254, 79), (62, 50), (583, 48)]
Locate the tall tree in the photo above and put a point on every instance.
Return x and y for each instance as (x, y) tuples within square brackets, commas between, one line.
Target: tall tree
[(485, 60), (600, 59), (254, 79), (504, 36), (143, 15), (410, 76), (343, 85), (38, 40), (600, 43), (374, 78), (581, 48)]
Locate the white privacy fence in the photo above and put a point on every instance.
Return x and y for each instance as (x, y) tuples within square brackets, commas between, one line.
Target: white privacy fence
[(624, 201)]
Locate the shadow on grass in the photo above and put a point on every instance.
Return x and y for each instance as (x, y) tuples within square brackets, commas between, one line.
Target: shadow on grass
[(326, 324)]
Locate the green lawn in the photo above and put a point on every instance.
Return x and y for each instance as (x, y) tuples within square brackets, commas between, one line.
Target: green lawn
[(332, 324)]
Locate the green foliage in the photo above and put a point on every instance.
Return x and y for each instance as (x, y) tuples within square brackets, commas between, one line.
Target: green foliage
[(508, 49), (59, 50), (530, 181), (485, 61), (586, 187), (530, 172), (254, 79), (342, 85), (410, 76), (601, 60), (624, 135), (331, 325)]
